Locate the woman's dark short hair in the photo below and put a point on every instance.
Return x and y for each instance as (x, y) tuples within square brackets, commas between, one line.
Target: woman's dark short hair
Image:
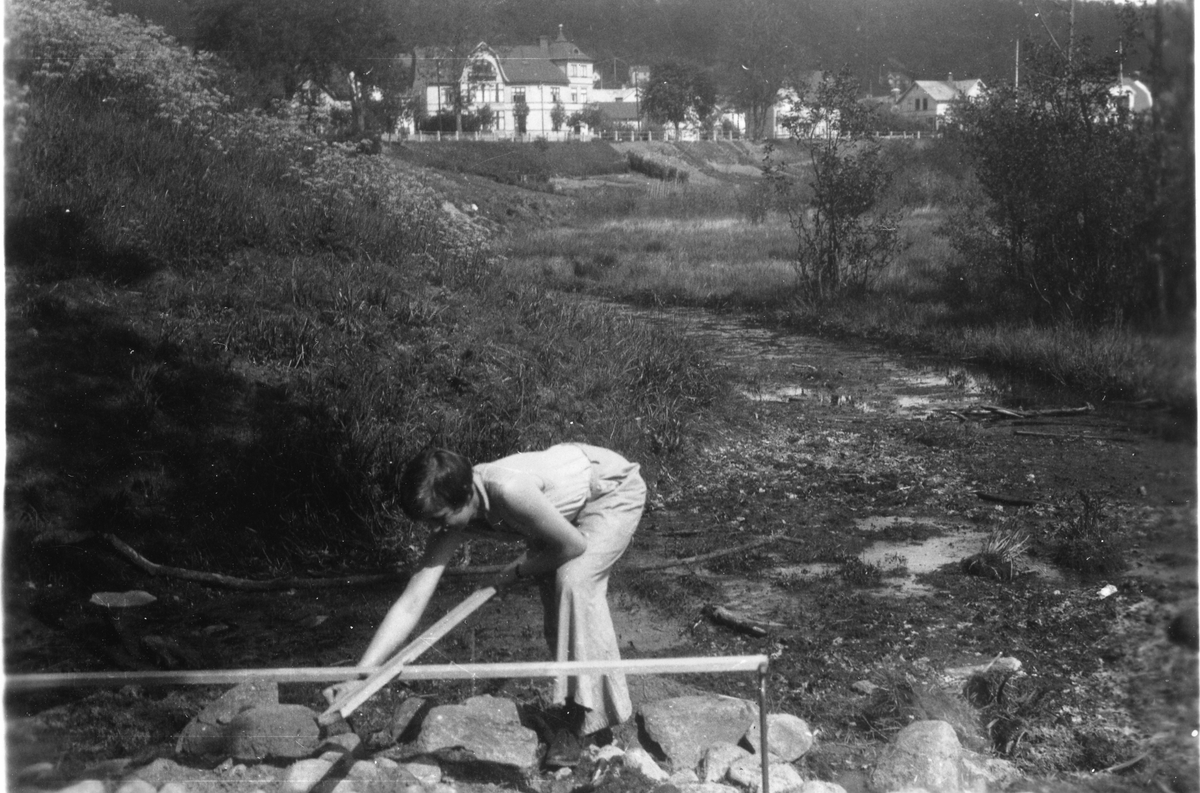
[(435, 479)]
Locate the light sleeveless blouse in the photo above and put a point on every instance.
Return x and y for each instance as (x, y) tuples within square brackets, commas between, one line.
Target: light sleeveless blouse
[(564, 473)]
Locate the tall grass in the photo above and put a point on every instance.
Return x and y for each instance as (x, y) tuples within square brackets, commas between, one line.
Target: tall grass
[(234, 333), (728, 245)]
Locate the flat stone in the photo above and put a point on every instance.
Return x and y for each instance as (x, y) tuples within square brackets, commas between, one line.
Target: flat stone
[(174, 787), (991, 773), (718, 759), (273, 731), (638, 759), (487, 727), (817, 786), (864, 687), (405, 724), (136, 785), (207, 732), (708, 787), (161, 771), (84, 786), (427, 774), (685, 777), (339, 747), (747, 772), (788, 736), (684, 727), (303, 775), (924, 754)]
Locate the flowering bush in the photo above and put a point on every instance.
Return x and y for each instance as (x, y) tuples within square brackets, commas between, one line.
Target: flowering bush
[(119, 57)]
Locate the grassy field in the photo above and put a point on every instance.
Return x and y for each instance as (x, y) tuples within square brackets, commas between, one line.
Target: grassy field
[(726, 245)]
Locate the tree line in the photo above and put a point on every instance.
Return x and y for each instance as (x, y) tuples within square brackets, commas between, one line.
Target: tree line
[(746, 48)]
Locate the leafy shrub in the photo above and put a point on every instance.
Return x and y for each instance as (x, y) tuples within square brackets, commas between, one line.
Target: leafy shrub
[(1076, 200), (655, 169), (1090, 542)]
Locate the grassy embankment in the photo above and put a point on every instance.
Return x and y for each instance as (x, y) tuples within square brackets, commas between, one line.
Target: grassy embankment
[(725, 245), (225, 336)]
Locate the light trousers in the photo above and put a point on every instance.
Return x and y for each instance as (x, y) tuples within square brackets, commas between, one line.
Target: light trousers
[(578, 623)]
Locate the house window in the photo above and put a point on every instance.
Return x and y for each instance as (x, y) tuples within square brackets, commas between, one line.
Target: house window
[(554, 94), (583, 96), (518, 95), (574, 97)]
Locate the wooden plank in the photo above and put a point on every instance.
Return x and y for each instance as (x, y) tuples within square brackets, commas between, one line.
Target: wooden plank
[(347, 704)]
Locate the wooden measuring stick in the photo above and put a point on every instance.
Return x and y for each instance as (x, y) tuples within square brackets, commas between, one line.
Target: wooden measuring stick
[(347, 704)]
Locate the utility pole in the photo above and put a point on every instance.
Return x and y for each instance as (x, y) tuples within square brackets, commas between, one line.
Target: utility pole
[(1071, 36), (1017, 66)]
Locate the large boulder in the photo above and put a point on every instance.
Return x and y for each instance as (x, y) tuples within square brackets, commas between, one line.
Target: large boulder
[(925, 754), (273, 731), (788, 736), (685, 727), (487, 727), (207, 732)]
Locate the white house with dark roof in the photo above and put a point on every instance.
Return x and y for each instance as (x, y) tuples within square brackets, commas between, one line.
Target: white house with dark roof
[(930, 100), (539, 76)]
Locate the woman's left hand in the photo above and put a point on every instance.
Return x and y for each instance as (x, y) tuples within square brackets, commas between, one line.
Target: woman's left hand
[(509, 575)]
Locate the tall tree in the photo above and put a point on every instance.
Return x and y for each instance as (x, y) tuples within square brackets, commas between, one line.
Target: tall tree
[(758, 56), (284, 43), (1067, 174), (677, 91)]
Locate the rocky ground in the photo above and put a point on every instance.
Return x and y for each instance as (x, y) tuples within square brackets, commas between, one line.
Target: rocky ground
[(860, 474)]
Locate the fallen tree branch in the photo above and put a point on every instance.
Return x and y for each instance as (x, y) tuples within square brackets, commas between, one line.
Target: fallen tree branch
[(275, 584), (733, 620), (1119, 767), (997, 412), (1009, 501), (247, 584), (1064, 437)]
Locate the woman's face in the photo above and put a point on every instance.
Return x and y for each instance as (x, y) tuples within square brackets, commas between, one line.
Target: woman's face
[(455, 519)]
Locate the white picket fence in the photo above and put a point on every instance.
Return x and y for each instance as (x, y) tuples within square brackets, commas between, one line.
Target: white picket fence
[(613, 136)]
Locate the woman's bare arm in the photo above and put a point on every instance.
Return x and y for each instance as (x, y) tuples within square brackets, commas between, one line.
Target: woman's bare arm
[(526, 508), (406, 612)]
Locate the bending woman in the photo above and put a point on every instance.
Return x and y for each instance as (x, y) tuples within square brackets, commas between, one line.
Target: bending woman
[(576, 507)]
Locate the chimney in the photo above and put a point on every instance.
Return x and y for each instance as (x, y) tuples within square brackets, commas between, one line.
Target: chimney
[(561, 37), (544, 43), (950, 77)]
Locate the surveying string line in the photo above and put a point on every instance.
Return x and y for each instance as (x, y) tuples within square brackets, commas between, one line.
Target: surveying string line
[(335, 674)]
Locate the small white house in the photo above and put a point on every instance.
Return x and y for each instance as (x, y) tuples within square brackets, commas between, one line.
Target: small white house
[(1132, 94), (930, 100)]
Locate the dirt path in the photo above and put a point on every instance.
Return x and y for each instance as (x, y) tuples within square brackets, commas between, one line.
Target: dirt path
[(871, 464)]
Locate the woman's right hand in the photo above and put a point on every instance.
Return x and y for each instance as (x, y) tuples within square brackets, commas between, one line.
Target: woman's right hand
[(339, 690)]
